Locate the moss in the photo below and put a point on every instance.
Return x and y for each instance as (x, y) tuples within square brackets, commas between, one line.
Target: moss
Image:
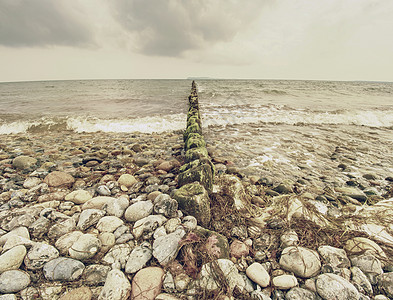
[(194, 140), (194, 128), (196, 153), (194, 200), (202, 173)]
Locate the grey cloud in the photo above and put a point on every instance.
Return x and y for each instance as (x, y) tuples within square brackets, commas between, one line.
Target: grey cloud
[(169, 28), (40, 23)]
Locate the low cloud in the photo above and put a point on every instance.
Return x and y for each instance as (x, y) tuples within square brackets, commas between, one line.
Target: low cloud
[(41, 23), (170, 28)]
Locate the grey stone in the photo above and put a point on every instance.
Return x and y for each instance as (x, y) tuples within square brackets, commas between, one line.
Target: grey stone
[(332, 286), (117, 286), (12, 259), (138, 258), (63, 268), (138, 211), (13, 281), (89, 217), (301, 261), (369, 264), (85, 247), (40, 227), (334, 256), (165, 248), (40, 254), (61, 228), (298, 293)]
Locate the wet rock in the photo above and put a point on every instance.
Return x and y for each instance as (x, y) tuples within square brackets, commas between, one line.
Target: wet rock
[(334, 256), (285, 282), (147, 283), (239, 249), (109, 224), (13, 281), (117, 256), (195, 201), (96, 274), (297, 293), (23, 162), (138, 211), (200, 170), (138, 258), (301, 261), (57, 178), (63, 268), (147, 225), (165, 248), (208, 278), (64, 243), (117, 286), (81, 293), (332, 286), (40, 254), (89, 217), (258, 274), (85, 247), (78, 196)]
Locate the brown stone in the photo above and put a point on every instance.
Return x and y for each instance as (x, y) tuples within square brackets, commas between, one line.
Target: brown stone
[(238, 249), (58, 178), (147, 283), (82, 293)]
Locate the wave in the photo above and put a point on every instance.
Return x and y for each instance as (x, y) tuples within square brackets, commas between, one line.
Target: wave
[(88, 124)]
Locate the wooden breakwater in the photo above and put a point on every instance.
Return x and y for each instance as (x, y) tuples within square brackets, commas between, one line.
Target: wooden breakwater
[(196, 176)]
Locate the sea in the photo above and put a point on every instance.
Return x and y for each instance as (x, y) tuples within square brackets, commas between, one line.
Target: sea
[(288, 126)]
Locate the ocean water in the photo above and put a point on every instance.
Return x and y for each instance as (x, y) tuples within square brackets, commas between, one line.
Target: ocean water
[(262, 125)]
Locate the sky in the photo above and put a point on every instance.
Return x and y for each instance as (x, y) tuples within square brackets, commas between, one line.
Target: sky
[(246, 39)]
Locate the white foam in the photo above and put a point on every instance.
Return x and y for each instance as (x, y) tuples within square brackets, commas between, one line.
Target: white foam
[(14, 127)]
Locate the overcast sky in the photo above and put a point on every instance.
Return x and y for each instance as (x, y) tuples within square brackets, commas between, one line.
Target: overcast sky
[(262, 39)]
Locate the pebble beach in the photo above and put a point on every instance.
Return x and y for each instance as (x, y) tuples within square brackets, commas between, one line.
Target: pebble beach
[(95, 216)]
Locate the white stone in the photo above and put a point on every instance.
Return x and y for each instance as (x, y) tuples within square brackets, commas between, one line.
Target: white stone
[(289, 238), (31, 182), (40, 254), (109, 224), (63, 268), (301, 261), (331, 286), (208, 276), (257, 273), (138, 211), (116, 207), (64, 243), (97, 202), (89, 217), (285, 282), (13, 281), (19, 231), (138, 258), (369, 264), (79, 196), (85, 247), (147, 225), (117, 256), (15, 240), (361, 281), (12, 259), (165, 248), (335, 257), (127, 180), (359, 245), (117, 286)]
